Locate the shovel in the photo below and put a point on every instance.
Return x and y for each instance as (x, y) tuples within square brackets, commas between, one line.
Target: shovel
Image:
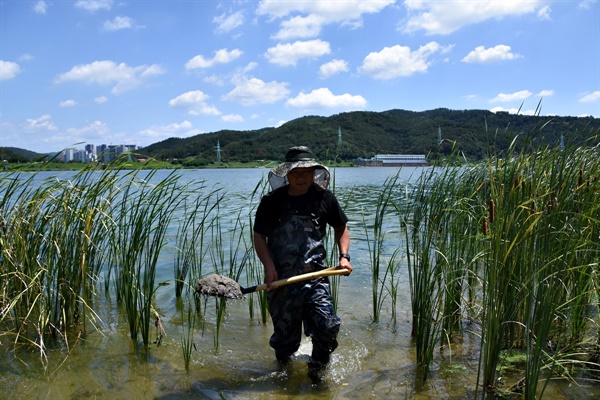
[(221, 286)]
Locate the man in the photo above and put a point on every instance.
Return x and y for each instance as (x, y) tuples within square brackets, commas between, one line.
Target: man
[(289, 230)]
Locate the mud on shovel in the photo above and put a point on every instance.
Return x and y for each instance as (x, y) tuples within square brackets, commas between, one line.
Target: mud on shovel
[(221, 286)]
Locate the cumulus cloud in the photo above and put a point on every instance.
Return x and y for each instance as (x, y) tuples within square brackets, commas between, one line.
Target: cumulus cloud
[(122, 76), (40, 7), (195, 103), (94, 5), (306, 18), (9, 70), (333, 67), (399, 61), (120, 22), (481, 55), (161, 132), (232, 118), (590, 97), (288, 54), (100, 99), (43, 123), (546, 93), (226, 23), (513, 110), (323, 98), (252, 91), (67, 103), (516, 96), (444, 17), (587, 4), (222, 56)]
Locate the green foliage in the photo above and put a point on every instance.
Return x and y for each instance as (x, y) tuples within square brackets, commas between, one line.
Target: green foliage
[(475, 133)]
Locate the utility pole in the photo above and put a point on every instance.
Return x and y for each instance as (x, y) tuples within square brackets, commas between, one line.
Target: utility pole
[(562, 142)]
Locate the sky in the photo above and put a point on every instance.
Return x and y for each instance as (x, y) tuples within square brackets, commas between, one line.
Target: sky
[(141, 71)]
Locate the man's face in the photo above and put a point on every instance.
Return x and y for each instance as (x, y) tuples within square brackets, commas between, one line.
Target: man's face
[(300, 180)]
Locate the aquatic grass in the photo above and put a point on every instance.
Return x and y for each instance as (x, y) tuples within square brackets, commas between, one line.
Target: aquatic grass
[(190, 240), (188, 317), (376, 242), (144, 214), (53, 254)]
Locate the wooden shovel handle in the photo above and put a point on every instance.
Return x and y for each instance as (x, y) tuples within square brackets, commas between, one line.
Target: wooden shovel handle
[(298, 278)]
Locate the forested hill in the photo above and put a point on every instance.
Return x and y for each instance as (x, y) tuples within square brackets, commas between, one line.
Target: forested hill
[(364, 134)]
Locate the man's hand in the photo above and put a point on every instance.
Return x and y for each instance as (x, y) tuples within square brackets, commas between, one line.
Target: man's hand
[(344, 263), (270, 277)]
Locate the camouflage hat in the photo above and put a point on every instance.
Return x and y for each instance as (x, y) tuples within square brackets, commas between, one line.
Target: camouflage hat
[(298, 157)]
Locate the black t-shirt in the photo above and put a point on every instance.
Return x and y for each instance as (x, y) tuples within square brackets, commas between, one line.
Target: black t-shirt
[(276, 205)]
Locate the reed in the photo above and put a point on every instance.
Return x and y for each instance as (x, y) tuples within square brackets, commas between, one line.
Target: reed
[(188, 316), (375, 234), (190, 240), (141, 218), (52, 238)]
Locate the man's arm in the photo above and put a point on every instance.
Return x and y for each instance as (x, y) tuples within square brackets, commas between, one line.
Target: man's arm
[(342, 238), (262, 251)]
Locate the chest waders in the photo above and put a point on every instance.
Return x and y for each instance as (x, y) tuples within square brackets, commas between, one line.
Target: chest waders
[(296, 247)]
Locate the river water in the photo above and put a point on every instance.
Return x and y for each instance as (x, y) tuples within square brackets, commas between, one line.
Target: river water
[(372, 361)]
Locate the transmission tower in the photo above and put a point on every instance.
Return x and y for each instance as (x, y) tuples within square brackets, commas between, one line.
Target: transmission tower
[(339, 136), (218, 151)]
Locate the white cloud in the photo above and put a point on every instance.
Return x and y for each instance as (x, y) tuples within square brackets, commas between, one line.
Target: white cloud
[(94, 5), (516, 96), (332, 68), (323, 98), (299, 27), (226, 23), (232, 118), (306, 18), (590, 97), (40, 7), (482, 55), (544, 13), (253, 91), (118, 23), (43, 123), (513, 110), (9, 70), (68, 103), (100, 99), (399, 61), (445, 17), (194, 103), (546, 93), (587, 4), (184, 129), (222, 56), (103, 73), (289, 53)]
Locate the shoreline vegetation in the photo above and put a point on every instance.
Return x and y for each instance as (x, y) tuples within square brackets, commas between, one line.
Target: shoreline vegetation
[(507, 249), (123, 164)]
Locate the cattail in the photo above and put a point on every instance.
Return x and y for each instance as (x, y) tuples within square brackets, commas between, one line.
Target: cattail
[(550, 205), (492, 211), (580, 179), (485, 226)]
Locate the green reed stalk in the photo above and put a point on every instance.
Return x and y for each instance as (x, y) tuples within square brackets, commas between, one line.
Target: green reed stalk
[(187, 335), (376, 243), (190, 239)]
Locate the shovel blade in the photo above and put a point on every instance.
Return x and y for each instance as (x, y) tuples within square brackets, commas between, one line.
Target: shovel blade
[(219, 286)]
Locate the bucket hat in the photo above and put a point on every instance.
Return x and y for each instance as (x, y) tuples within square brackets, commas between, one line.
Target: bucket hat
[(298, 157)]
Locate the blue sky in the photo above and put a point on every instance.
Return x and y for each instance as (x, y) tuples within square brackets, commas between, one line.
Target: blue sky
[(138, 72)]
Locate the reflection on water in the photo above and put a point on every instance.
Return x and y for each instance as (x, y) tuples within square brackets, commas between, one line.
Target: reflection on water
[(372, 361)]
